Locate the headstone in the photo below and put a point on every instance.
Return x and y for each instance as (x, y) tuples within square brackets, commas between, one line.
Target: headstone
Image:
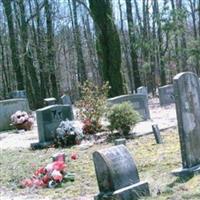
[(65, 99), (9, 107), (187, 96), (156, 133), (48, 120), (50, 101), (139, 102), (142, 90), (166, 95), (18, 94), (120, 141), (117, 175)]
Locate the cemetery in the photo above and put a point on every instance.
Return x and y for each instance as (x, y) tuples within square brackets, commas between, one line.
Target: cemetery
[(160, 160), (99, 99)]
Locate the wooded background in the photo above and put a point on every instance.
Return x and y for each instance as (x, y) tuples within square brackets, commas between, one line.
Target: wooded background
[(49, 47)]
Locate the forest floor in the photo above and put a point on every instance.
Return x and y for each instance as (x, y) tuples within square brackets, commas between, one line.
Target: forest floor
[(154, 162)]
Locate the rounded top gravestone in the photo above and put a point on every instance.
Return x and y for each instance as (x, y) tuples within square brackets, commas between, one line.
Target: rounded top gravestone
[(115, 168)]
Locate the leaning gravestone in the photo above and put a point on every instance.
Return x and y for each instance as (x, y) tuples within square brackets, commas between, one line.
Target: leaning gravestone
[(18, 94), (65, 99), (139, 102), (48, 120), (187, 96), (166, 95), (142, 90), (9, 107), (117, 175)]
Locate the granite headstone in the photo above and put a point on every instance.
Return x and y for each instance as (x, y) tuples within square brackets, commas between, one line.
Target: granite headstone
[(187, 96), (117, 175), (48, 120), (50, 101), (9, 107), (139, 102), (166, 95), (142, 90), (65, 99), (18, 94)]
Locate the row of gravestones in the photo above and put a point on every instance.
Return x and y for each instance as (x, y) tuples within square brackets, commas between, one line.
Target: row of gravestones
[(115, 169)]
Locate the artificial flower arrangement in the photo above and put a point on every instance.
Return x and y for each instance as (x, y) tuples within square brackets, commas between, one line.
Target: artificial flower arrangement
[(51, 175), (22, 120)]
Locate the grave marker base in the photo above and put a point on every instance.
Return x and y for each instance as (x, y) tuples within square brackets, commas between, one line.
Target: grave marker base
[(181, 172), (41, 145), (132, 192)]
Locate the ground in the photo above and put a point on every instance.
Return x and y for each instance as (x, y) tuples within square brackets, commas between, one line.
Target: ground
[(154, 163)]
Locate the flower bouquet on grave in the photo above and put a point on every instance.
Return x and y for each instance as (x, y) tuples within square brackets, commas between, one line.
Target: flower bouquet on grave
[(22, 120), (51, 175)]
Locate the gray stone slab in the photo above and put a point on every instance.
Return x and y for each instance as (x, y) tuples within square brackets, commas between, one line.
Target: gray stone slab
[(9, 107), (117, 174), (156, 133), (139, 102), (65, 99), (18, 94), (187, 96), (166, 95), (142, 90), (48, 119)]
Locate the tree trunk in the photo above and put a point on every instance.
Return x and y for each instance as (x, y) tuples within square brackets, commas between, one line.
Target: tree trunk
[(109, 45)]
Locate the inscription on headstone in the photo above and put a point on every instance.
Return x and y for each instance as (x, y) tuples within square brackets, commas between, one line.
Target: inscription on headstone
[(117, 175), (166, 95), (139, 102), (48, 119), (187, 96)]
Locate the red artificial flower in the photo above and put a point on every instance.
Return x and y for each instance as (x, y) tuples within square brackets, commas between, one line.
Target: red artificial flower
[(27, 183), (45, 179), (74, 156), (38, 183), (40, 171), (57, 176), (59, 165)]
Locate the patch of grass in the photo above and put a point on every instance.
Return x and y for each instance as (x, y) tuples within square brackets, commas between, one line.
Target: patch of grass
[(154, 163)]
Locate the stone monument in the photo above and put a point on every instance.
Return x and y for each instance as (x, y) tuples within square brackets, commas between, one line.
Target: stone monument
[(187, 97), (117, 175)]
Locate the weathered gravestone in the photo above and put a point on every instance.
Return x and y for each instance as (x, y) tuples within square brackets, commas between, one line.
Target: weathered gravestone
[(117, 175), (65, 99), (187, 96), (166, 95), (142, 90), (48, 120), (50, 101), (18, 94), (139, 102), (9, 107), (120, 141)]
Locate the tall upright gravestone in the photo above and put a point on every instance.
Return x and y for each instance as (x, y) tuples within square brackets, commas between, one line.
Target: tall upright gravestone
[(117, 175), (187, 98)]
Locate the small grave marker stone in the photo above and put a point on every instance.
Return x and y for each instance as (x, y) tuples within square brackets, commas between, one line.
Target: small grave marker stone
[(48, 120), (156, 133), (139, 102), (65, 99), (187, 96), (120, 141), (50, 101), (142, 90), (117, 175), (166, 95)]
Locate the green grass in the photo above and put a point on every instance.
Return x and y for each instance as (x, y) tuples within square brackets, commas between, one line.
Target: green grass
[(154, 162)]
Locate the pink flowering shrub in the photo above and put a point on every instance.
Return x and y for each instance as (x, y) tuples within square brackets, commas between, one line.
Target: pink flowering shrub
[(22, 120)]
